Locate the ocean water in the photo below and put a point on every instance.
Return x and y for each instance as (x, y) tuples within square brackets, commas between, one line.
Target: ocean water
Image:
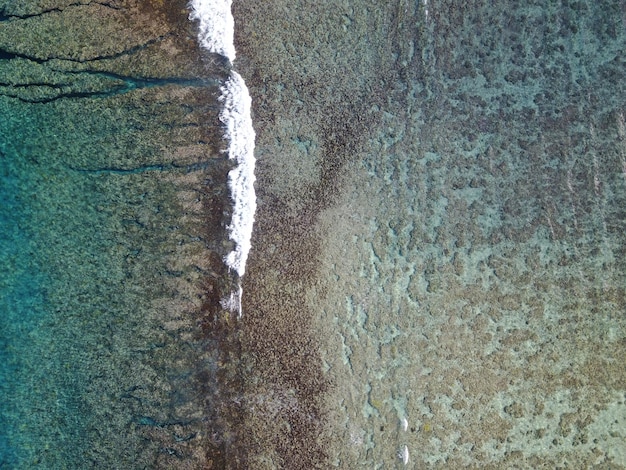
[(437, 269), (93, 291), (307, 235), (113, 226)]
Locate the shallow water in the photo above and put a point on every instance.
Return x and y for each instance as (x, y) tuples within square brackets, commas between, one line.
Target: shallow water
[(114, 205), (89, 246), (457, 174), (436, 278)]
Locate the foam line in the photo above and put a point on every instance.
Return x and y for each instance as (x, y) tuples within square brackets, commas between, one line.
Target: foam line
[(217, 26), (216, 34), (240, 135)]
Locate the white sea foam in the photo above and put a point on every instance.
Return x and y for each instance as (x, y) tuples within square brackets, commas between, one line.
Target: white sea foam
[(217, 26), (240, 135), (216, 34), (233, 301)]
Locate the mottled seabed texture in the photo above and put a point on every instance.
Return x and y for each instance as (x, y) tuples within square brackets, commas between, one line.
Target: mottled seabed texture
[(440, 234), (113, 192), (437, 276)]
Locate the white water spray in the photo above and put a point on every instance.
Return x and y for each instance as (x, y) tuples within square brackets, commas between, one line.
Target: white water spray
[(217, 31)]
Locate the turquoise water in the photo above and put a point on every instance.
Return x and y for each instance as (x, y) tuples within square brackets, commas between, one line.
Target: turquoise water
[(440, 243), (476, 253), (113, 212), (94, 370), (22, 297), (437, 275)]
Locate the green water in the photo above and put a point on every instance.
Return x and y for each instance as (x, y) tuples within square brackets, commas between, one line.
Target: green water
[(439, 249), (113, 208), (92, 236), (437, 277), (476, 252)]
